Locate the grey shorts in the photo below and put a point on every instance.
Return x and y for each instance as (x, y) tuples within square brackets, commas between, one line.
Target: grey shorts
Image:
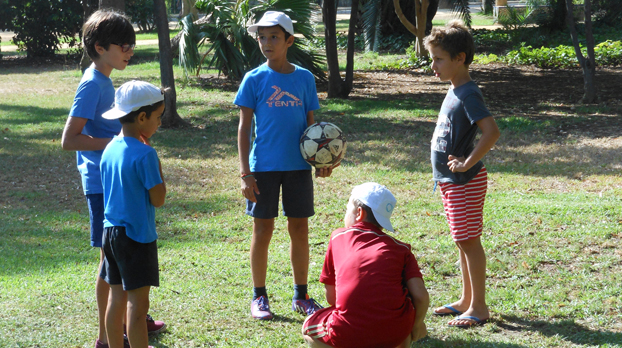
[(297, 187), (128, 262)]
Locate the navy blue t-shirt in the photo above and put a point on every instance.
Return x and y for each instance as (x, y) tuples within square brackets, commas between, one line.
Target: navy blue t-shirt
[(455, 132)]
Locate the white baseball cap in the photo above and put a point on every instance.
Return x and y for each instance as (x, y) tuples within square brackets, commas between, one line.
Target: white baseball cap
[(272, 18), (379, 199), (132, 96)]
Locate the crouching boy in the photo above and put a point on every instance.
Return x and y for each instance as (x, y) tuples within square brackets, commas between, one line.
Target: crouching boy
[(373, 283)]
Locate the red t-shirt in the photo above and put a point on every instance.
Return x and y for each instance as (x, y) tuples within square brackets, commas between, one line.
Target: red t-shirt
[(369, 270)]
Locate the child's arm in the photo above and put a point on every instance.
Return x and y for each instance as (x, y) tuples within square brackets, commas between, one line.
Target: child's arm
[(490, 134), (157, 194), (421, 301), (331, 295), (249, 184), (74, 140)]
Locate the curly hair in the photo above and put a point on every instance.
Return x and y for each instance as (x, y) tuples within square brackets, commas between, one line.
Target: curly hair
[(452, 38)]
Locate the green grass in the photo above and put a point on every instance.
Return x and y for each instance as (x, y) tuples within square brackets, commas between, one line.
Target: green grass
[(478, 19), (552, 238)]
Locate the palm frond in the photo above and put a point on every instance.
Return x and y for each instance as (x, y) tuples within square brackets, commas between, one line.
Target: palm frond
[(370, 19), (312, 61), (189, 57), (462, 8)]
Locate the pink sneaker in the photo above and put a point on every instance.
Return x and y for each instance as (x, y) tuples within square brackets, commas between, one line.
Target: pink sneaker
[(154, 327), (260, 308)]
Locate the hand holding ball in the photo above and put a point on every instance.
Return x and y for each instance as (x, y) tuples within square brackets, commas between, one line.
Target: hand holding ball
[(323, 145)]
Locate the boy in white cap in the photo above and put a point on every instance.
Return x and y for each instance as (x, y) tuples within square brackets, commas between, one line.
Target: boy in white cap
[(373, 283), (280, 98), (133, 185)]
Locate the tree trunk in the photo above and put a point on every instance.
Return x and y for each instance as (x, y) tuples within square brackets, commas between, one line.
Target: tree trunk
[(187, 7), (338, 87), (171, 118), (588, 64), (114, 4), (335, 83), (354, 13), (421, 9), (88, 6)]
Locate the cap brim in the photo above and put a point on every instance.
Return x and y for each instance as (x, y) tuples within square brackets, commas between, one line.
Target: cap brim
[(384, 222), (114, 114)]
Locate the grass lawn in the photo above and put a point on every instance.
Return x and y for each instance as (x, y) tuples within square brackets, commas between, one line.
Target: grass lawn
[(553, 222)]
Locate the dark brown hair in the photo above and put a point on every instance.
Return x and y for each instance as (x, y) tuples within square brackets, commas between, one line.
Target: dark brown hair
[(106, 27), (452, 38)]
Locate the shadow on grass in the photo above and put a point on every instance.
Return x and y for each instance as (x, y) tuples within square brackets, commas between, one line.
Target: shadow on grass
[(456, 342), (566, 329)]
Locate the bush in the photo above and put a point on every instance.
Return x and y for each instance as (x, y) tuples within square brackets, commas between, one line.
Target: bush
[(608, 53), (41, 25), (142, 14)]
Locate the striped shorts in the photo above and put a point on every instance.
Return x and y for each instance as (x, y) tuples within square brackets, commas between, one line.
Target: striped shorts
[(464, 206)]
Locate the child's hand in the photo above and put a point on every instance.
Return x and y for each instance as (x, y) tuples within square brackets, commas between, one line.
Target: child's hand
[(325, 172), (249, 188), (418, 332), (456, 164)]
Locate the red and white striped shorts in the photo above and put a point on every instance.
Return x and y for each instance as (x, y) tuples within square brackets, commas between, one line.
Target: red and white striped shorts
[(464, 206)]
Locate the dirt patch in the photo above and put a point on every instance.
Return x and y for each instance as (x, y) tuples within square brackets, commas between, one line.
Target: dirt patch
[(521, 91)]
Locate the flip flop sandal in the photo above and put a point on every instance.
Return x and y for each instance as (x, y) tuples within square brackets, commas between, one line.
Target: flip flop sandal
[(452, 309), (474, 321)]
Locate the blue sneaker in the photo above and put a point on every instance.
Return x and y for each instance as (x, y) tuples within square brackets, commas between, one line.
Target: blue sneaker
[(260, 308), (306, 307)]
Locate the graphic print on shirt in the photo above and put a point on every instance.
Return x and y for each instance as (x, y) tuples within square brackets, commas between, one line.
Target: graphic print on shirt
[(277, 99), (443, 127)]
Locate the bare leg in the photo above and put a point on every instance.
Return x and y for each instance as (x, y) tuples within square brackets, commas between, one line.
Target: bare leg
[(102, 290), (262, 234), (114, 316), (475, 258), (298, 229), (137, 308)]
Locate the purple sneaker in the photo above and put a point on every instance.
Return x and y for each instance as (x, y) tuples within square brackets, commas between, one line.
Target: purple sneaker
[(305, 307), (260, 308)]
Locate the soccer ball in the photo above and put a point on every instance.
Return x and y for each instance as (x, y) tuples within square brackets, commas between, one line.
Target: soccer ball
[(323, 145)]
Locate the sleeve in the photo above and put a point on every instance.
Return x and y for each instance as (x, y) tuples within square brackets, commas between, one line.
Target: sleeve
[(148, 169), (85, 101), (475, 108), (328, 271), (313, 103), (411, 268), (246, 93)]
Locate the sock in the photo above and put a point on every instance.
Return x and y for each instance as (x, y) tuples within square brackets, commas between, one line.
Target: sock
[(259, 292), (300, 292)]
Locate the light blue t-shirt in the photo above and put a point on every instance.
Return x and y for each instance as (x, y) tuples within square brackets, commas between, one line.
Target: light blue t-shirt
[(95, 95), (280, 103), (129, 169)]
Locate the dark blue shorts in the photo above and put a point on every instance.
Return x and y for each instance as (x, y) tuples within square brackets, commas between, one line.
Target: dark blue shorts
[(297, 194), (128, 262), (96, 214)]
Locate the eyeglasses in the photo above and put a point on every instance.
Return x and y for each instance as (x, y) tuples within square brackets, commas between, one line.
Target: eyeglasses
[(126, 47)]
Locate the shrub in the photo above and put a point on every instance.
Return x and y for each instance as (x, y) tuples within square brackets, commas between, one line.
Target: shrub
[(142, 14), (41, 25)]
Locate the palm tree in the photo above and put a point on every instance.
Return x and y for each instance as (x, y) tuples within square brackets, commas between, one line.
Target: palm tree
[(234, 51)]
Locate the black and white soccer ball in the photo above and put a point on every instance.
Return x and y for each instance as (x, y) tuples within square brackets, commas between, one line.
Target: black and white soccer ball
[(323, 145)]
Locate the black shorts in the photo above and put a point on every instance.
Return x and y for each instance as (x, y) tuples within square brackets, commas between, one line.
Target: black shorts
[(128, 262), (297, 194)]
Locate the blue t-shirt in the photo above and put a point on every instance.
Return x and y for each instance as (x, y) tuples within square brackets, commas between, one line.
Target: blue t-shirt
[(455, 132), (129, 169), (95, 95), (280, 103)]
